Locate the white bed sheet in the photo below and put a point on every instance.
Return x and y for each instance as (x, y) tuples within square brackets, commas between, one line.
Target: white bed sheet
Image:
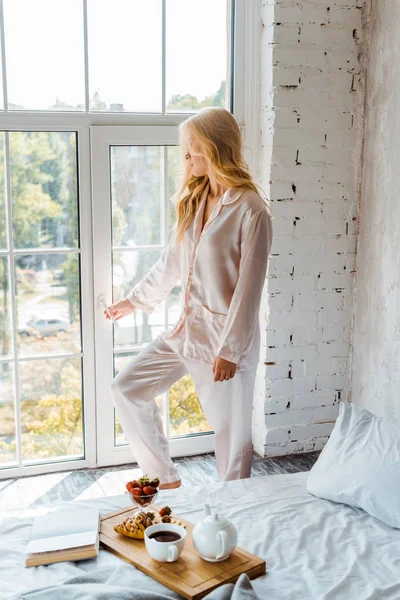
[(314, 549)]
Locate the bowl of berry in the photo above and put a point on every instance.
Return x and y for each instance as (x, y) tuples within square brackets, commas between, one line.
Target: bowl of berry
[(143, 491)]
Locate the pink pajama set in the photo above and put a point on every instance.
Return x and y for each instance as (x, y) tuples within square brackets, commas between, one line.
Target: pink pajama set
[(222, 270)]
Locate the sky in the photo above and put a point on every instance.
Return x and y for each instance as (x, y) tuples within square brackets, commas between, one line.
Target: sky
[(45, 51)]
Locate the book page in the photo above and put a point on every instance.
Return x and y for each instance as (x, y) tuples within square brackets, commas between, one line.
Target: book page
[(64, 528), (62, 542)]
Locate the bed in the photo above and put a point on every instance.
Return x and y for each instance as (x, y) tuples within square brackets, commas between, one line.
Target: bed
[(314, 548)]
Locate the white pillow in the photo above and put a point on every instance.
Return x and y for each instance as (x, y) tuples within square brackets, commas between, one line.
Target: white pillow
[(360, 464)]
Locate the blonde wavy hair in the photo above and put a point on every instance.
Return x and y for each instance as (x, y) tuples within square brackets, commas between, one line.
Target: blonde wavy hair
[(214, 134)]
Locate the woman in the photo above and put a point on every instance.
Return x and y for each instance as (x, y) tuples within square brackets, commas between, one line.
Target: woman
[(219, 251)]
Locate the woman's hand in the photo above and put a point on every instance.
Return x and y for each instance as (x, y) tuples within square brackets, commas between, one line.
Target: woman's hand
[(223, 369), (120, 309)]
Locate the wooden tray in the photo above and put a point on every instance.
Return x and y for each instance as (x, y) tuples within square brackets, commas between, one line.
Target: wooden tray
[(190, 575)]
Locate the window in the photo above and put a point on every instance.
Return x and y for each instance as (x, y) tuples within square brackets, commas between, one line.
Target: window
[(88, 138), (116, 56)]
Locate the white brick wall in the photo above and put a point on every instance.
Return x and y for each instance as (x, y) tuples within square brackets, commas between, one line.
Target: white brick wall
[(312, 118)]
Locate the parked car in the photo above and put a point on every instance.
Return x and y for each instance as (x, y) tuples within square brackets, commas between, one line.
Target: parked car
[(25, 274), (43, 327)]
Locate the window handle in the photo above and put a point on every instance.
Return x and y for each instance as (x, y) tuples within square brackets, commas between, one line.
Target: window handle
[(103, 304)]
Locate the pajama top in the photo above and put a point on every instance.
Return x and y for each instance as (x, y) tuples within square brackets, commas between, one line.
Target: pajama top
[(222, 270)]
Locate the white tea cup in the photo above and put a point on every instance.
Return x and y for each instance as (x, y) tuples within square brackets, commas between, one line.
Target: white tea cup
[(167, 549)]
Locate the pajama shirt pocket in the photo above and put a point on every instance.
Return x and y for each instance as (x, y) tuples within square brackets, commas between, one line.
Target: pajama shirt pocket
[(212, 315), (214, 324)]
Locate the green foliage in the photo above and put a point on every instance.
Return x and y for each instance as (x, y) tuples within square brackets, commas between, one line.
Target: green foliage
[(51, 412), (43, 190), (71, 272), (5, 332), (185, 412), (31, 204), (53, 427), (187, 102)]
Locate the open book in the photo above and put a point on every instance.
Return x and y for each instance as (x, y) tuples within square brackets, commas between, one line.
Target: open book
[(64, 534)]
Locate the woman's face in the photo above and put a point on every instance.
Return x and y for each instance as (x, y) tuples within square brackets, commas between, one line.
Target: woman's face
[(197, 161)]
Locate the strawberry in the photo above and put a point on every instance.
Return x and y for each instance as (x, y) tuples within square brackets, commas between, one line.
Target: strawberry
[(135, 483), (130, 486), (143, 481), (136, 492), (155, 482), (165, 510), (166, 519), (149, 490)]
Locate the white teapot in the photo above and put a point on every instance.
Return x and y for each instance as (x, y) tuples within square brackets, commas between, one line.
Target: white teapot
[(214, 537)]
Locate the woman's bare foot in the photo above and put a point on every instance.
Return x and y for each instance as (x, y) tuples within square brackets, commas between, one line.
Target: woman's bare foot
[(169, 486)]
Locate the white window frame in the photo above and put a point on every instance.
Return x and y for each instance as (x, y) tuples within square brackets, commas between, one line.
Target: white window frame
[(102, 139), (86, 294), (246, 108)]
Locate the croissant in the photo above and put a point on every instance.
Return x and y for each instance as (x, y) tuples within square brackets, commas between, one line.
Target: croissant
[(135, 527)]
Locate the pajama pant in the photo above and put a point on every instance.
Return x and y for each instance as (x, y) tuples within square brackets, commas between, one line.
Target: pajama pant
[(227, 406)]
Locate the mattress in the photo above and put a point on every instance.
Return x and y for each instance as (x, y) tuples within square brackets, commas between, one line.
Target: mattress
[(313, 548)]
